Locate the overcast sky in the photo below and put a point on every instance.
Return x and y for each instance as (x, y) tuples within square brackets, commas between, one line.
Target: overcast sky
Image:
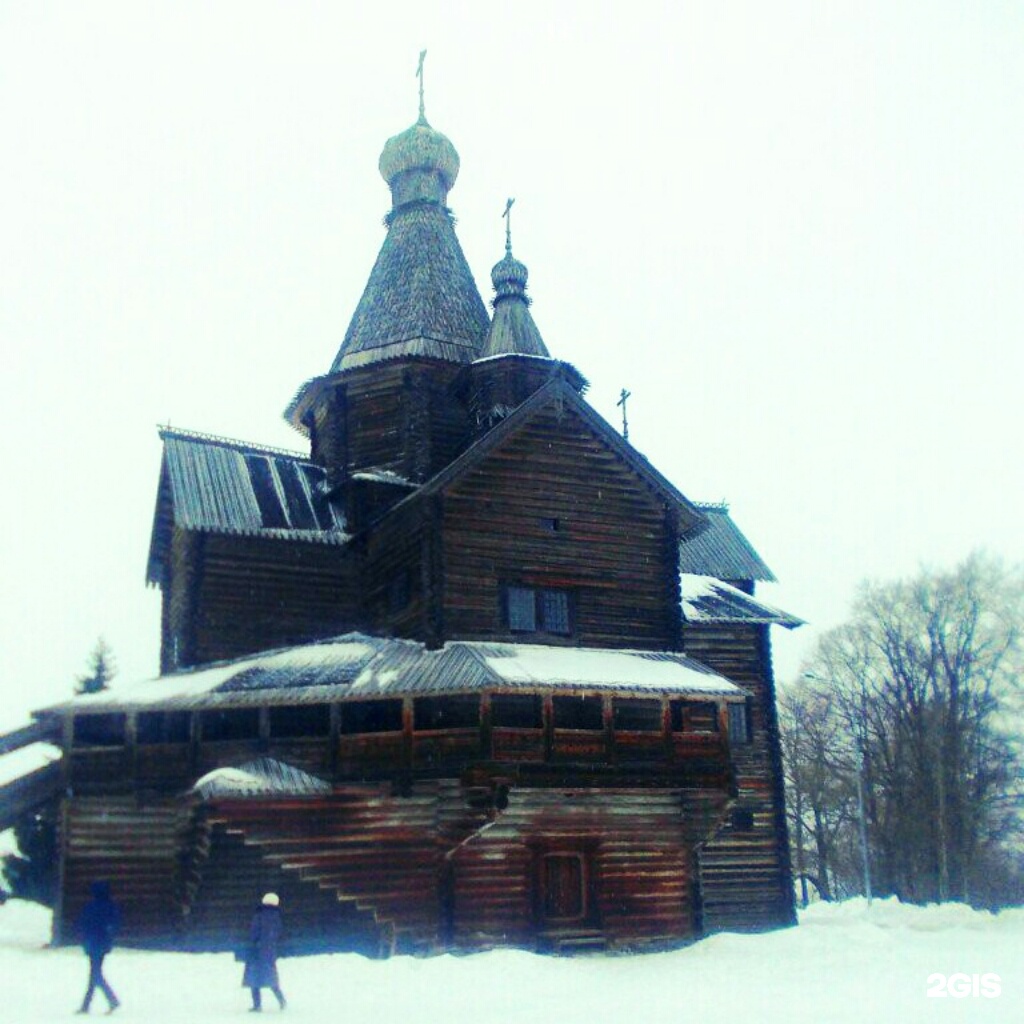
[(795, 231)]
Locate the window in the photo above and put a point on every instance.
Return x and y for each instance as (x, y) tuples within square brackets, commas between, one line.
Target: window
[(399, 591), (637, 715), (743, 820), (694, 716), (578, 713), (372, 716), (299, 720), (517, 711), (162, 727), (446, 713), (522, 610), (536, 610), (234, 724), (99, 730), (739, 723)]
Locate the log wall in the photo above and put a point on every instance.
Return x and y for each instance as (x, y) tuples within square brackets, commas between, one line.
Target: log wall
[(256, 594), (745, 876), (498, 529)]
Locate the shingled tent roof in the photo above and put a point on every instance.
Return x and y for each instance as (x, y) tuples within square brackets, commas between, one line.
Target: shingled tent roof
[(215, 485), (421, 299), (721, 550)]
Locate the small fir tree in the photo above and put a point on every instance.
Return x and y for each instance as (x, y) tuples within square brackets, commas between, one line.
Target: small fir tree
[(31, 874), (102, 669)]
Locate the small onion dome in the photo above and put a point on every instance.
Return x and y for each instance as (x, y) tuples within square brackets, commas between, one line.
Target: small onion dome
[(509, 278), (419, 148)]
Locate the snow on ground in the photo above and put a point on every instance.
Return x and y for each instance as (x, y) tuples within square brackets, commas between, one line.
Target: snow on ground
[(845, 964)]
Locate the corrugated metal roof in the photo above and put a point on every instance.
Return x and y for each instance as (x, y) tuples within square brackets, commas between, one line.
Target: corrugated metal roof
[(216, 485), (721, 550), (706, 599), (356, 666)]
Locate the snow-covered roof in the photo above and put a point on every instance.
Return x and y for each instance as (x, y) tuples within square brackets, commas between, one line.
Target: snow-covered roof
[(358, 666), (19, 763), (262, 777), (706, 599)]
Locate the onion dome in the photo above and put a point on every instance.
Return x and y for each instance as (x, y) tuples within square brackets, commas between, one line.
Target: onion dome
[(512, 330), (419, 164), (509, 278)]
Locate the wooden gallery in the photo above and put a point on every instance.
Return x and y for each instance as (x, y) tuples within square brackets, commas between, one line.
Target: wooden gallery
[(470, 673)]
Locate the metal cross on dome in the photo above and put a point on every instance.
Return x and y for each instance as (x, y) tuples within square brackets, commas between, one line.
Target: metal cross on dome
[(419, 75), (508, 226)]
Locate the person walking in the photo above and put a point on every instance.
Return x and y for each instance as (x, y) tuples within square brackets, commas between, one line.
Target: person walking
[(97, 925), (261, 955)]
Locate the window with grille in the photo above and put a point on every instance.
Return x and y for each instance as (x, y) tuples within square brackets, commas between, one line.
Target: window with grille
[(538, 610), (739, 723)]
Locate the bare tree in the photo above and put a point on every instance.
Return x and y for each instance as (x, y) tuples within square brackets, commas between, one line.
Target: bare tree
[(917, 698)]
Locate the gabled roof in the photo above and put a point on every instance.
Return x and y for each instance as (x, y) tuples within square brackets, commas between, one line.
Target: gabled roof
[(558, 391), (215, 485), (420, 299), (357, 666), (709, 600), (721, 550)]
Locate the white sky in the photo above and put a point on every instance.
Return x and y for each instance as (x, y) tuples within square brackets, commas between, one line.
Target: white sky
[(793, 230)]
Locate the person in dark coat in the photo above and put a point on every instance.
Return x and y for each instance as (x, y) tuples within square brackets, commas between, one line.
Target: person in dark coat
[(97, 925), (261, 955)]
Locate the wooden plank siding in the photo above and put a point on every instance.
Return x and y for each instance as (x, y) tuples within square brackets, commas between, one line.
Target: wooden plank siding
[(497, 529), (744, 871)]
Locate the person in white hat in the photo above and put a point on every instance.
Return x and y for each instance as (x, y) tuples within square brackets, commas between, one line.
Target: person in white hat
[(261, 956)]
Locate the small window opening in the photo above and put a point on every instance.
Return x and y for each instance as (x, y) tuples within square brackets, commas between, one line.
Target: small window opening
[(399, 591), (231, 724), (446, 713), (694, 716), (517, 711), (637, 715), (162, 727), (371, 716), (99, 730), (298, 720), (551, 523), (743, 820), (584, 713)]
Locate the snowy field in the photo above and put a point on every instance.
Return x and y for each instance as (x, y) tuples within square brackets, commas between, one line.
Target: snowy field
[(845, 963)]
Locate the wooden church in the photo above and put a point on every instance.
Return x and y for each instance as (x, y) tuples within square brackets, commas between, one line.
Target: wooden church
[(469, 673)]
